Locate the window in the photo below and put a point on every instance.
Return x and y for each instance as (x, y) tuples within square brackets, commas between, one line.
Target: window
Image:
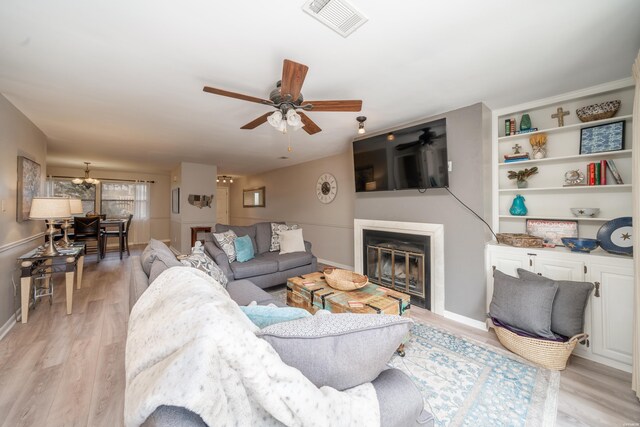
[(119, 199), (59, 187)]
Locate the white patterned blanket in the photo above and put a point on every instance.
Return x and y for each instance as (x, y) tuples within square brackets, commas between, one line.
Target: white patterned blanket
[(189, 345)]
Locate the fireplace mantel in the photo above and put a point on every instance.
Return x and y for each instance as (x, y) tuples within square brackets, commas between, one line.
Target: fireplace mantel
[(434, 231)]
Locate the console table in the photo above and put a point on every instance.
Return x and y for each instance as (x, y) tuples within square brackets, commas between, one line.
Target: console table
[(69, 260), (195, 231)]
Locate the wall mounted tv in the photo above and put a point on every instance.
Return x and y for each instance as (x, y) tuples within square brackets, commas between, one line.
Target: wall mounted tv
[(410, 158)]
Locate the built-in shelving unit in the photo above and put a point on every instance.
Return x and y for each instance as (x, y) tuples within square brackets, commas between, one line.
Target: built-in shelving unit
[(547, 196)]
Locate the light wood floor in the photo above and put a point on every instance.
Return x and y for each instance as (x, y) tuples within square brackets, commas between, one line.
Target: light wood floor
[(60, 370)]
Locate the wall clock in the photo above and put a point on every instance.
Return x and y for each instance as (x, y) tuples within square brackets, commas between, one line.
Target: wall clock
[(326, 188)]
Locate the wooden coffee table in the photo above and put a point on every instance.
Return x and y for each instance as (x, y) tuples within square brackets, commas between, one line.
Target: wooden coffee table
[(312, 293)]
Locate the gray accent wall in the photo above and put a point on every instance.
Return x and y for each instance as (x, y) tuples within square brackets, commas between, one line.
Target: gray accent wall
[(468, 146), (291, 197), (18, 137)]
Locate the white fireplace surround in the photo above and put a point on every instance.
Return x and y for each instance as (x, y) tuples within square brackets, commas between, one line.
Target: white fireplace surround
[(434, 231)]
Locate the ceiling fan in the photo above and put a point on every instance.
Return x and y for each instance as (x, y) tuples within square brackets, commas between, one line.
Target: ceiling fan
[(287, 99)]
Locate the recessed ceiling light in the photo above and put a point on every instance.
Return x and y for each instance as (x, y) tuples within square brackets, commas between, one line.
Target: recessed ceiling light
[(283, 158)]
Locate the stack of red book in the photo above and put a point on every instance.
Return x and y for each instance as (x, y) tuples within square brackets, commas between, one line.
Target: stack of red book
[(597, 172)]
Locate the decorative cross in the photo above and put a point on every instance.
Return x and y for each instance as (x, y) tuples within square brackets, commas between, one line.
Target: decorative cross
[(516, 149), (560, 116)]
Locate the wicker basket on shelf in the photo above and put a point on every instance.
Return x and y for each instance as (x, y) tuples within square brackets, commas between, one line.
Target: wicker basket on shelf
[(604, 110), (344, 280), (550, 354)]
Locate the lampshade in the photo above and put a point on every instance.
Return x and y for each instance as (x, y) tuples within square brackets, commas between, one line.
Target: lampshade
[(75, 206), (49, 208)]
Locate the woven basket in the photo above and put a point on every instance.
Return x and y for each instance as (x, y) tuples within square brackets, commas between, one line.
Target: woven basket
[(344, 280), (550, 354), (601, 111)]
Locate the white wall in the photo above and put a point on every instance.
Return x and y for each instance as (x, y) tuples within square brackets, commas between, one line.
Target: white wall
[(291, 197), (18, 137), (197, 179)]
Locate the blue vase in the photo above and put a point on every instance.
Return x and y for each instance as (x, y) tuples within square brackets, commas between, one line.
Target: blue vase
[(517, 207)]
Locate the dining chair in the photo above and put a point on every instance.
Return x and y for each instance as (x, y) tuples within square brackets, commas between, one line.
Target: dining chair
[(88, 230), (114, 233)]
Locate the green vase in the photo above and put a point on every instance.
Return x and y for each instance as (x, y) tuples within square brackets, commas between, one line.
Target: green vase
[(525, 122)]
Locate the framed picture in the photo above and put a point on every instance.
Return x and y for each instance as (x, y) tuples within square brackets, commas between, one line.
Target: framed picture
[(552, 231), (601, 138), (175, 200), (28, 186)]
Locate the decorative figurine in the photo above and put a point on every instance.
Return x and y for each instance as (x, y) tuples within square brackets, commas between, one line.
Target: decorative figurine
[(517, 207), (538, 144), (516, 149), (525, 122), (560, 116), (522, 175), (573, 177)]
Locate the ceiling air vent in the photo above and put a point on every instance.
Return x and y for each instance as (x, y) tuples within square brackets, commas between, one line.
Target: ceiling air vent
[(338, 15)]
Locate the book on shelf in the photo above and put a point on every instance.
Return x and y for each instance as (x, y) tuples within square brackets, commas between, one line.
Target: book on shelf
[(596, 168), (603, 172), (512, 127), (591, 174), (527, 131), (523, 159), (614, 172)]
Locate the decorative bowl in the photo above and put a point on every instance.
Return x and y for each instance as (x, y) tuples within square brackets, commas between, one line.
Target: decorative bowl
[(578, 244), (344, 280), (600, 111), (585, 212)]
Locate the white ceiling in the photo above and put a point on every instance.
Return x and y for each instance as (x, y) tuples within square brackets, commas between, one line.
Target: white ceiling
[(119, 83)]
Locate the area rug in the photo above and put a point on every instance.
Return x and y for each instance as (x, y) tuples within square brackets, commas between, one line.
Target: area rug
[(467, 383)]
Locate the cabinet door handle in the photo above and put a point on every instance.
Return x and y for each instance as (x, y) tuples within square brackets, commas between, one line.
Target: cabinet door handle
[(597, 293)]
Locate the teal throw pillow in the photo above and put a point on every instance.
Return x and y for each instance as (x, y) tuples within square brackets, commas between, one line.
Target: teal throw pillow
[(244, 248), (264, 315)]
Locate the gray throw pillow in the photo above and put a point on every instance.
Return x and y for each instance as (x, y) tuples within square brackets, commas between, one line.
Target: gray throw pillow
[(146, 259), (224, 241), (161, 264), (567, 316), (204, 263), (524, 304), (338, 350)]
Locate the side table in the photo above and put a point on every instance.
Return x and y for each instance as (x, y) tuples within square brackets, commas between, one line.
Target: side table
[(34, 263), (195, 231)]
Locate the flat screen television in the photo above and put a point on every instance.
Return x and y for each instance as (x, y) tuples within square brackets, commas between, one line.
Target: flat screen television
[(410, 158)]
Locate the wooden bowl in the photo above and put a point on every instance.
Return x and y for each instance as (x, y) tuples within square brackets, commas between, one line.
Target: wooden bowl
[(344, 280)]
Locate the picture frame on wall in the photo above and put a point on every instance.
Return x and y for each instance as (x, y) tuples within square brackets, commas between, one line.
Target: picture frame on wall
[(175, 200), (552, 231), (602, 138), (28, 186)]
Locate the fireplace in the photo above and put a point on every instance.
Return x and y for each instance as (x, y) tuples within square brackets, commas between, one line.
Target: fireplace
[(399, 261), (405, 256)]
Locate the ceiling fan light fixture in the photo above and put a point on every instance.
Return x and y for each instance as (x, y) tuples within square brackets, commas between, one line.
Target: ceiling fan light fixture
[(361, 120), (275, 119), (294, 120)]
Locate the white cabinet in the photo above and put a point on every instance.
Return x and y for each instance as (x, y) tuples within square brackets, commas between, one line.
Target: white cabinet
[(546, 196), (609, 312)]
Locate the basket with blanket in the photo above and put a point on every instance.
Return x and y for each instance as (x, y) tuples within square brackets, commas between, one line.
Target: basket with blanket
[(539, 318)]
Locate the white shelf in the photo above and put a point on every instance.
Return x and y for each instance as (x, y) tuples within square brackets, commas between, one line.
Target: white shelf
[(556, 218), (606, 154), (565, 128), (611, 187)]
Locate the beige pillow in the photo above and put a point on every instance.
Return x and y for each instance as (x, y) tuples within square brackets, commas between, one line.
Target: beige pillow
[(291, 241)]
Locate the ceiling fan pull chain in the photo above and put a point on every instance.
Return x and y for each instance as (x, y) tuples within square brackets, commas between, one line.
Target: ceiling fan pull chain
[(289, 149)]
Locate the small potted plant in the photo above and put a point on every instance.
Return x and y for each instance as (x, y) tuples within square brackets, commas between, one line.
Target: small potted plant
[(522, 175)]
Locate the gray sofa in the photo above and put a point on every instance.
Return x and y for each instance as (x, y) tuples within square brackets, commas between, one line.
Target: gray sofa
[(401, 403), (267, 268)]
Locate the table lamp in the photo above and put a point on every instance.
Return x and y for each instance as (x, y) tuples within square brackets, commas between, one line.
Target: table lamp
[(75, 207), (48, 209)]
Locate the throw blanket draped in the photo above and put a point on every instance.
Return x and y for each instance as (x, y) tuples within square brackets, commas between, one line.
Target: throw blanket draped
[(190, 345)]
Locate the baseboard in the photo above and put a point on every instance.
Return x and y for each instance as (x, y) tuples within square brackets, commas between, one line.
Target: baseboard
[(9, 324), (335, 264), (465, 320)]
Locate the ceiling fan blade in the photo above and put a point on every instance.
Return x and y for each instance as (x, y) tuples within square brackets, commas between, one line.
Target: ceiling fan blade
[(257, 122), (309, 126), (345, 105), (293, 75), (236, 95)]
